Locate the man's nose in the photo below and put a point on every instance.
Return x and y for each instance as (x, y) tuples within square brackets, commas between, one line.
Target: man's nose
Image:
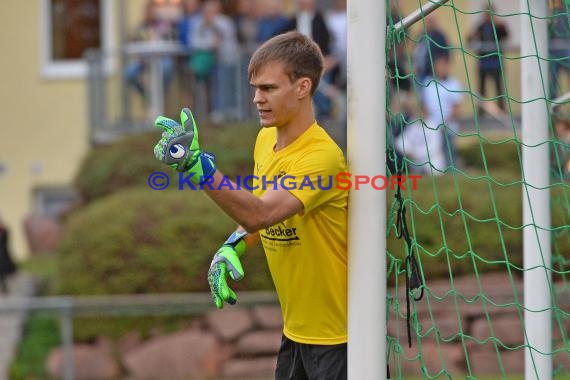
[(258, 97)]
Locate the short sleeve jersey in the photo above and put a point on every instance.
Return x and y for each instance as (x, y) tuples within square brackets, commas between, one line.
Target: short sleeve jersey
[(307, 253)]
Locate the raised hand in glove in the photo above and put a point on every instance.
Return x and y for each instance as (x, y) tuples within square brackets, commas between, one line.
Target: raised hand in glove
[(179, 147), (226, 263)]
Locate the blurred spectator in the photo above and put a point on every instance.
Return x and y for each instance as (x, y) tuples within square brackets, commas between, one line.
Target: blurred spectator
[(185, 25), (160, 24), (420, 142), (398, 116), (422, 146), (192, 10), (7, 266), (397, 57), (272, 21), (246, 25), (560, 161), (336, 23), (559, 46), (440, 101), (308, 20), (245, 17), (431, 44), (487, 39), (214, 40)]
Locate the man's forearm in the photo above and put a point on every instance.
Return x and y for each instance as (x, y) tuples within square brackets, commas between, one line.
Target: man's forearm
[(179, 148), (241, 205), (251, 212)]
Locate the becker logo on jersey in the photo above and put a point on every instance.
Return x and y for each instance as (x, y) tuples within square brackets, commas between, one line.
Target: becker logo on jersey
[(280, 232)]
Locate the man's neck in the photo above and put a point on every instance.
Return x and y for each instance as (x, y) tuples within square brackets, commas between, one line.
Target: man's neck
[(290, 132)]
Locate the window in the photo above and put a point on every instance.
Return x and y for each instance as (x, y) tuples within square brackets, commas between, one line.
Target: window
[(52, 201), (69, 28)]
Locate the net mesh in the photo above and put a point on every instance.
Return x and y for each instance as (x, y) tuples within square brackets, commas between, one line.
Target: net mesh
[(455, 237)]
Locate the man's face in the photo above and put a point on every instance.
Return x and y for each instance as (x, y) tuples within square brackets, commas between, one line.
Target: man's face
[(441, 67), (306, 5), (276, 98)]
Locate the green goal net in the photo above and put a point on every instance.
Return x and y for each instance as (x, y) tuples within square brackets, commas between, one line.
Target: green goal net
[(456, 304)]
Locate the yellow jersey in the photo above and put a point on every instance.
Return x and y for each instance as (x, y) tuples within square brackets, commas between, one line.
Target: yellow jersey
[(307, 253)]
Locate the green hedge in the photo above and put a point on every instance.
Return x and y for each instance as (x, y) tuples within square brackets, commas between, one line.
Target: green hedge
[(145, 241), (471, 223), (497, 153), (128, 239), (109, 168)]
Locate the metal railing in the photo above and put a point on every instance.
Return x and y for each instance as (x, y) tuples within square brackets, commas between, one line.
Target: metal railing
[(68, 308), (113, 107)]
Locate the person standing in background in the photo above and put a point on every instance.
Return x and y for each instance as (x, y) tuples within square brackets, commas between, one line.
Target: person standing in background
[(397, 60), (431, 44), (245, 17), (159, 24), (559, 45), (192, 10), (214, 37), (309, 21), (7, 266), (441, 100), (337, 24), (272, 21), (487, 40)]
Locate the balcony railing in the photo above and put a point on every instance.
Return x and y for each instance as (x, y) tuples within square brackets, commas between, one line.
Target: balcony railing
[(115, 108)]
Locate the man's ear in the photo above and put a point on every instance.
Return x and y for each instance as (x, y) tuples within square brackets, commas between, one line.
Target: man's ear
[(304, 87)]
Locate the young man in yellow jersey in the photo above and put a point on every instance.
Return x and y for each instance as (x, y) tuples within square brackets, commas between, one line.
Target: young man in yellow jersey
[(296, 209)]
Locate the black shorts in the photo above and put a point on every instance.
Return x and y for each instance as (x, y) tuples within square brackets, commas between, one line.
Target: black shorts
[(299, 361)]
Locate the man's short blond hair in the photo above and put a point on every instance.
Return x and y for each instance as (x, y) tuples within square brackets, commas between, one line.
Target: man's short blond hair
[(301, 56)]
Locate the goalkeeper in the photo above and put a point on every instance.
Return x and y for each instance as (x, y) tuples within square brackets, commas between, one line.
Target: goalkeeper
[(303, 230)]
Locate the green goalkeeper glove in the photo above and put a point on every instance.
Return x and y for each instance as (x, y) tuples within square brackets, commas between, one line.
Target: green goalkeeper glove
[(226, 263), (179, 147)]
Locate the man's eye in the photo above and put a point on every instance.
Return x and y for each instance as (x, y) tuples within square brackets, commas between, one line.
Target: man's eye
[(177, 151)]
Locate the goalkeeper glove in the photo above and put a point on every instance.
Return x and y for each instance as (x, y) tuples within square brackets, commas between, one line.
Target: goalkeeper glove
[(179, 147), (226, 263)]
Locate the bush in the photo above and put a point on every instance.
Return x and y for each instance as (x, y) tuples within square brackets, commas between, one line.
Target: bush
[(497, 153), (145, 241), (129, 162), (109, 168), (471, 225), (456, 225)]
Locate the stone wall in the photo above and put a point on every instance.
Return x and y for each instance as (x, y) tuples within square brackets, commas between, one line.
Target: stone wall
[(233, 343), (471, 326)]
